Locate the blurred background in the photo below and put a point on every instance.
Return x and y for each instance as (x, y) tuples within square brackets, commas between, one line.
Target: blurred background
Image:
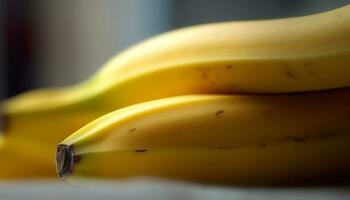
[(61, 42)]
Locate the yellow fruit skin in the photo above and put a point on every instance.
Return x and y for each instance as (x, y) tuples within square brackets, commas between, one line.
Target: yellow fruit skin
[(268, 56), (24, 160), (238, 139)]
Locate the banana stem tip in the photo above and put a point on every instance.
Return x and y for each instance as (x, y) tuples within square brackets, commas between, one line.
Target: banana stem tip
[(64, 160)]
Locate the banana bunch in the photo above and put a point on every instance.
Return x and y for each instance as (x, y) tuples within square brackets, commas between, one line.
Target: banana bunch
[(174, 82)]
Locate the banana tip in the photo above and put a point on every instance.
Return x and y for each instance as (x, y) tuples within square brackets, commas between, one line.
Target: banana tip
[(64, 160)]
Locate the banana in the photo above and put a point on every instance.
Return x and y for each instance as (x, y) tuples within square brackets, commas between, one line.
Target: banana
[(286, 55), (268, 56), (21, 159), (235, 139)]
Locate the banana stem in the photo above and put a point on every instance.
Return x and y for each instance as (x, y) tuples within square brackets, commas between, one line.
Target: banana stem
[(64, 160)]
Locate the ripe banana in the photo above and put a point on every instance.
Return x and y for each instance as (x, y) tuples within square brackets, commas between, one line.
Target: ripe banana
[(269, 56), (22, 159), (237, 139)]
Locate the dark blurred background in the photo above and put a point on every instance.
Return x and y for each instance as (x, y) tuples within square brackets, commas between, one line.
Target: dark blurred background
[(60, 42)]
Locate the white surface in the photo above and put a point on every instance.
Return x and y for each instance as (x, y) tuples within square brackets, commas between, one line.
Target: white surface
[(153, 190)]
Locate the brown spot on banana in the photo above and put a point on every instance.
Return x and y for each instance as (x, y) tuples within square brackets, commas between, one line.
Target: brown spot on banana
[(268, 111), (140, 150), (76, 159), (219, 113), (309, 70), (132, 130), (224, 147), (296, 138), (290, 74)]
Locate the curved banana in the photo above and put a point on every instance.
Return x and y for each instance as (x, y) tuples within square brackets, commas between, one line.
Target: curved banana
[(267, 56), (239, 139)]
